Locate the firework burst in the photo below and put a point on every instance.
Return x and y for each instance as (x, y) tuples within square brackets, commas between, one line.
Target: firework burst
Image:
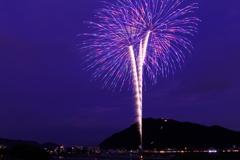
[(133, 37)]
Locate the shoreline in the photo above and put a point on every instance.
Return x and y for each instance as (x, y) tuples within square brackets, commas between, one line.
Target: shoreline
[(164, 156)]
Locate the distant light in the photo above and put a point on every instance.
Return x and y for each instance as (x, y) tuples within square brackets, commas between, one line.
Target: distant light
[(212, 151)]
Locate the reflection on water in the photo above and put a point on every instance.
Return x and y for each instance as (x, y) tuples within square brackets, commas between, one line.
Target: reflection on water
[(90, 158), (179, 156), (85, 158)]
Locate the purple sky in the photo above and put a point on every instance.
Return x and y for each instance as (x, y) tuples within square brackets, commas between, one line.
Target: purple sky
[(46, 96)]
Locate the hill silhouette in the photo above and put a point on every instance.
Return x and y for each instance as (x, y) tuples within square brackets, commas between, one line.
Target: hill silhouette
[(11, 143), (162, 133)]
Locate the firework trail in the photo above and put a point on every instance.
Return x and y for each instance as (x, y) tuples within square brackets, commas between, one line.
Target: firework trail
[(133, 37)]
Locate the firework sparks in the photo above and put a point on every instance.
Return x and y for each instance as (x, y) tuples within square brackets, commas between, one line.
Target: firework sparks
[(134, 37)]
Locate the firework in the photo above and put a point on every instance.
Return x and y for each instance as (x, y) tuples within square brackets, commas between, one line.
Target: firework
[(133, 37)]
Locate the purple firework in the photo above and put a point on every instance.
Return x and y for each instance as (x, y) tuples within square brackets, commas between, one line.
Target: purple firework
[(133, 37)]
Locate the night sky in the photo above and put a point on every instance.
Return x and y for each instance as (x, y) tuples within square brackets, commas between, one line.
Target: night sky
[(46, 96)]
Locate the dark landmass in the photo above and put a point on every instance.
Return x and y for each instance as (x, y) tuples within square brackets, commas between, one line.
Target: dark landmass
[(28, 152), (162, 133), (24, 152), (11, 143)]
